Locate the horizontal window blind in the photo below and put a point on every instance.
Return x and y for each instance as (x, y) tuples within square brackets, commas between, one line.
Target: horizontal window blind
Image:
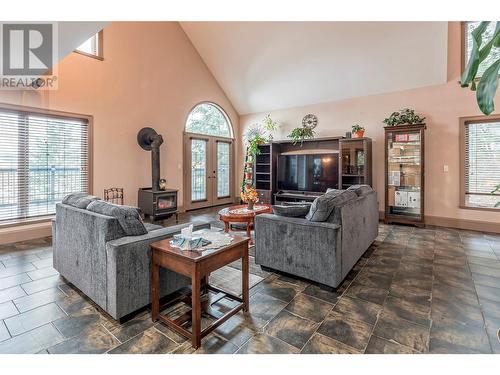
[(42, 159), (482, 163)]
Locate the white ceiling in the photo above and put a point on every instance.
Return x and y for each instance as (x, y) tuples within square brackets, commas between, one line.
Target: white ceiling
[(264, 66)]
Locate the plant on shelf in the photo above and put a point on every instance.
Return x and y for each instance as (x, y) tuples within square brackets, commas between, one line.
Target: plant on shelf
[(270, 126), (404, 117), (254, 137), (249, 195), (298, 135), (482, 49), (358, 131)]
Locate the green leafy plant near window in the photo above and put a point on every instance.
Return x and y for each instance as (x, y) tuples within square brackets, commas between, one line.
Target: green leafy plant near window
[(496, 190), (486, 85), (255, 136), (298, 135), (404, 117), (253, 144)]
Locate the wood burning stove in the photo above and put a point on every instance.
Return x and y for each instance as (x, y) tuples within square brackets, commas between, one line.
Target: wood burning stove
[(156, 203), (160, 204)]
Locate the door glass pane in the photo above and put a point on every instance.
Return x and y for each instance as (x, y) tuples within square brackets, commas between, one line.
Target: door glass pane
[(353, 163), (223, 153), (404, 173), (198, 170)]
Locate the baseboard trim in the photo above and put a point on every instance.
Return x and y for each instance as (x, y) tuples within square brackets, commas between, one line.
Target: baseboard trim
[(25, 232), (449, 222), (482, 226)]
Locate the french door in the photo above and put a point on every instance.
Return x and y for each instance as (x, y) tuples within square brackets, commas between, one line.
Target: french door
[(208, 171)]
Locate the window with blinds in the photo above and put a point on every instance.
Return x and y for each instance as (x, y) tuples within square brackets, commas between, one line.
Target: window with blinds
[(92, 46), (42, 159), (482, 163)]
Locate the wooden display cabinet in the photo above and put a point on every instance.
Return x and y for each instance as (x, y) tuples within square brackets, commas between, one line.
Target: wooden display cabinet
[(404, 174)]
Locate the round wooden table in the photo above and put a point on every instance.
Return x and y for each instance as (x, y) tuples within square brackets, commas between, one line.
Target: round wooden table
[(241, 214)]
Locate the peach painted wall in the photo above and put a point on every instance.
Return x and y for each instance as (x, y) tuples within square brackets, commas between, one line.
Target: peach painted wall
[(443, 105), (151, 76)]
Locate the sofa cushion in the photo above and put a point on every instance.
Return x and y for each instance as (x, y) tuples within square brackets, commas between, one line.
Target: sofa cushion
[(79, 200), (323, 206), (308, 204), (291, 210), (127, 216), (360, 190)]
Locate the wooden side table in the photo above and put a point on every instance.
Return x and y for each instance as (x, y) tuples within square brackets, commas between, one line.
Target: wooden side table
[(197, 264)]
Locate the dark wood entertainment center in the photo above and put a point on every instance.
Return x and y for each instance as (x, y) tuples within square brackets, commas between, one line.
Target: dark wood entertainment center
[(354, 166)]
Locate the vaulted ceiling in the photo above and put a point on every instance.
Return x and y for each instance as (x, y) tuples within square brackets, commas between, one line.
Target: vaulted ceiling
[(264, 66)]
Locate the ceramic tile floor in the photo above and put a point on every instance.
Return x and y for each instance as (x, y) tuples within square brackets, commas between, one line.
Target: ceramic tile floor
[(415, 290)]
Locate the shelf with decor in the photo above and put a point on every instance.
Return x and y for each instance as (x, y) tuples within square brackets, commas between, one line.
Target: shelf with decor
[(356, 162), (265, 172), (404, 174)]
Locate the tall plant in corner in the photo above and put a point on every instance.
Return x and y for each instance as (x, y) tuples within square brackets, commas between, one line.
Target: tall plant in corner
[(486, 85)]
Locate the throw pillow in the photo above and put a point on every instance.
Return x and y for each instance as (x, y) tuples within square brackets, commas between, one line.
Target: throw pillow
[(79, 200), (291, 210), (360, 190), (323, 206), (127, 216)]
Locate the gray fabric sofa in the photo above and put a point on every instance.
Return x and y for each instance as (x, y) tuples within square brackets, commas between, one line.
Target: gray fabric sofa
[(325, 251), (92, 252)]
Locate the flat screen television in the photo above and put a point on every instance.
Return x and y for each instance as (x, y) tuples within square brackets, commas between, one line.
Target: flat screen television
[(310, 172)]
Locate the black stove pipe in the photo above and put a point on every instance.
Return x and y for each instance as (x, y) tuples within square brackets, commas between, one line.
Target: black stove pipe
[(156, 142)]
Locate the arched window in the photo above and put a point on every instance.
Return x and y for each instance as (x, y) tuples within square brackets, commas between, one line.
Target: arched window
[(208, 157), (208, 119)]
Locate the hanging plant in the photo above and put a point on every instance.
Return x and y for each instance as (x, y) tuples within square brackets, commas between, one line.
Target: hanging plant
[(404, 117), (486, 85), (254, 137)]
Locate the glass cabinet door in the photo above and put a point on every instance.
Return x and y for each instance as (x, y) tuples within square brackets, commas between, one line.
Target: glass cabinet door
[(404, 173), (353, 163)]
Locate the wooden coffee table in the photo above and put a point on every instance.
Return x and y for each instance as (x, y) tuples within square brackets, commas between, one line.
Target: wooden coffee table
[(197, 264), (228, 215)]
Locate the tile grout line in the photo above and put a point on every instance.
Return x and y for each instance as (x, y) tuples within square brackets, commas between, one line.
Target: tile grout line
[(478, 300), (335, 304), (383, 303)]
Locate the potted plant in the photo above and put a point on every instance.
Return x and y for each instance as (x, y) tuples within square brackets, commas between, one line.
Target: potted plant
[(405, 116), (300, 134), (358, 131), (249, 195), (270, 126)]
